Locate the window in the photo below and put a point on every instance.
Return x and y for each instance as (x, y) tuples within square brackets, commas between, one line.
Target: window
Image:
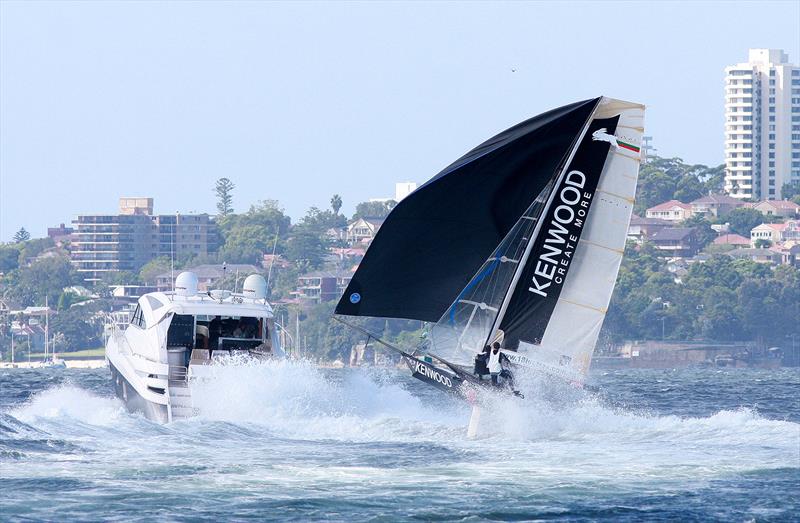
[(138, 318), (772, 99), (771, 136), (772, 146)]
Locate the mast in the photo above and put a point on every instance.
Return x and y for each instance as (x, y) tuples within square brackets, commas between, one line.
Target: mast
[(528, 248), (46, 326)]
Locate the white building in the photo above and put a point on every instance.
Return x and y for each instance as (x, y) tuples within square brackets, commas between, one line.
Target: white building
[(403, 189), (762, 125)]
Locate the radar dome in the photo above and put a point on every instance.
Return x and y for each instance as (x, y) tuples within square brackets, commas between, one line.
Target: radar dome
[(255, 287), (186, 284)]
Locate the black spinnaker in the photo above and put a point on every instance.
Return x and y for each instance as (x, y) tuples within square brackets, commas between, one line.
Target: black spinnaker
[(436, 239)]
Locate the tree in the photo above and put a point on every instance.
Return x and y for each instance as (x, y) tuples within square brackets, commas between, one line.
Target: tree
[(9, 258), (306, 249), (224, 190), (743, 220), (21, 235), (45, 277), (762, 243), (151, 269), (790, 190), (705, 234), (374, 209), (336, 203)]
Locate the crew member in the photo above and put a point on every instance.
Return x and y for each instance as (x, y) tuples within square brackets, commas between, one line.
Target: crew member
[(481, 360), (495, 367)]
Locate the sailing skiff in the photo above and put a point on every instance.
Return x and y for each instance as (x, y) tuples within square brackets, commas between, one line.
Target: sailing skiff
[(518, 242)]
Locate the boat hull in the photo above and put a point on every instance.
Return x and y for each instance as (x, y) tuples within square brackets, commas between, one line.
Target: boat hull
[(134, 401)]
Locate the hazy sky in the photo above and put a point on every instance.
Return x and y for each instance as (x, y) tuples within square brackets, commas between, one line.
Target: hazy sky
[(296, 102)]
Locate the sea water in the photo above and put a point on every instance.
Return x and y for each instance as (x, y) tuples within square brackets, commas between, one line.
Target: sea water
[(290, 441)]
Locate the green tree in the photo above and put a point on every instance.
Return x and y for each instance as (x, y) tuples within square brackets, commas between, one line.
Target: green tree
[(21, 235), (743, 220), (224, 191), (306, 249), (762, 243), (9, 257), (790, 190), (336, 203), (45, 277), (151, 269), (705, 234), (374, 209)]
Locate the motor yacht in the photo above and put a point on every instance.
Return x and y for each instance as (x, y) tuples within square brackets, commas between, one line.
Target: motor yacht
[(173, 340)]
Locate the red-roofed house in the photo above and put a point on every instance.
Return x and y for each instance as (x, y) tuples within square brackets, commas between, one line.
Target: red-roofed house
[(736, 240), (767, 231), (673, 211), (784, 208)]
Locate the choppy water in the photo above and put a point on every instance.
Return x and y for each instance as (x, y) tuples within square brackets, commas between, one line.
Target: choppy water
[(288, 441)]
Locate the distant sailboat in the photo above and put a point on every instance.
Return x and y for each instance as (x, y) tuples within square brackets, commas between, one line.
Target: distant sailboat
[(518, 242)]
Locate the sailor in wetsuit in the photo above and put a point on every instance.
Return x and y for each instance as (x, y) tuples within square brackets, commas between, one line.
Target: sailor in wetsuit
[(481, 360)]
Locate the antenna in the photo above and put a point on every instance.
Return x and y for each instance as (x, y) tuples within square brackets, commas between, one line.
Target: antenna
[(172, 252), (272, 262)]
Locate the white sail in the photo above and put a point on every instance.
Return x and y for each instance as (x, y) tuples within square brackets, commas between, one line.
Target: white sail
[(569, 339)]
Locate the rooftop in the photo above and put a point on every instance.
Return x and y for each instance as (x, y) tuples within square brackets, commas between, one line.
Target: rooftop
[(732, 239), (672, 233), (666, 206), (718, 198)]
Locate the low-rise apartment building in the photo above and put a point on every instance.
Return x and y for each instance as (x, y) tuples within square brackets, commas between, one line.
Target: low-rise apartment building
[(107, 243)]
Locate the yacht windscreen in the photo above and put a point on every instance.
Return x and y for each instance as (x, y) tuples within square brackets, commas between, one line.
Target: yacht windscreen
[(235, 332), (181, 331)]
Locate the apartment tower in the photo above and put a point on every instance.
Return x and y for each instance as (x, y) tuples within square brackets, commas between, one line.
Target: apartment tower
[(762, 125)]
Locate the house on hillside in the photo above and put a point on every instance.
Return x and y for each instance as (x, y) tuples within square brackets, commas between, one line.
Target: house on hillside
[(681, 242), (672, 211), (715, 205), (639, 229), (771, 232), (757, 255), (735, 240), (785, 208), (363, 230), (321, 286)]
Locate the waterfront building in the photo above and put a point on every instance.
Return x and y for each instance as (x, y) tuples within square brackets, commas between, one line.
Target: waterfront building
[(762, 125), (108, 243)]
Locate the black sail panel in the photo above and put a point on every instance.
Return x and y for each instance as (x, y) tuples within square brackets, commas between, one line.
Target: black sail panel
[(542, 278), (436, 239)]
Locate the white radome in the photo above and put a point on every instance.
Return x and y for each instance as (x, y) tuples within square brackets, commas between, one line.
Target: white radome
[(255, 287), (186, 284)]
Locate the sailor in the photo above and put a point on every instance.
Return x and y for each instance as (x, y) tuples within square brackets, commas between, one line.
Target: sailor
[(481, 360), (495, 367)]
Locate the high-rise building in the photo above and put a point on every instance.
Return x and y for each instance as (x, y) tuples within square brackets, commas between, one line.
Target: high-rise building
[(762, 125), (107, 243)]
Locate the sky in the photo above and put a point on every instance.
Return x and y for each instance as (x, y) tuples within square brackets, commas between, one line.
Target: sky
[(298, 101)]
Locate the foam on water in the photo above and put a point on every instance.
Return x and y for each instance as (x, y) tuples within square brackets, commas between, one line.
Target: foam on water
[(285, 431)]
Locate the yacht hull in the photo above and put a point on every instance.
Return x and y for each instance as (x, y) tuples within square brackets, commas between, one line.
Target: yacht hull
[(134, 401)]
